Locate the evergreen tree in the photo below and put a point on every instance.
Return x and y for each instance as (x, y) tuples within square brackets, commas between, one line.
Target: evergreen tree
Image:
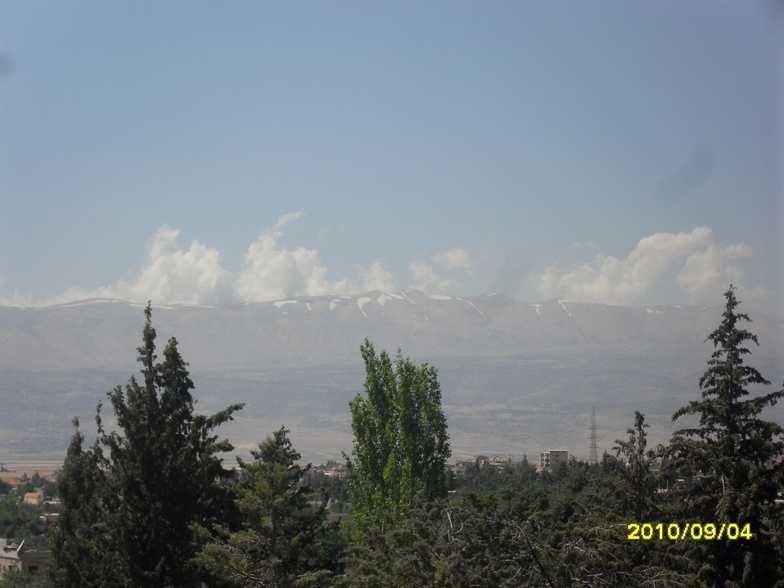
[(156, 479), (283, 540), (400, 438), (736, 456), (633, 484), (79, 539)]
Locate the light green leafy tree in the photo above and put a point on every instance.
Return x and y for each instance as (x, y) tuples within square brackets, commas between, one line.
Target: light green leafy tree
[(400, 435)]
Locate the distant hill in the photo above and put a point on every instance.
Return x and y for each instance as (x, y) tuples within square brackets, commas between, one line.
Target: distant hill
[(516, 377)]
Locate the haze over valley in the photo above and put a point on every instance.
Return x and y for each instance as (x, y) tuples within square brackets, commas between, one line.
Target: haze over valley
[(516, 378)]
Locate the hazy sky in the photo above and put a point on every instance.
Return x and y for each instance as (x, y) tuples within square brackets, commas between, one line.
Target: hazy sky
[(214, 152)]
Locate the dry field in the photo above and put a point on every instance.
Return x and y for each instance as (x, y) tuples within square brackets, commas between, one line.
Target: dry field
[(18, 465)]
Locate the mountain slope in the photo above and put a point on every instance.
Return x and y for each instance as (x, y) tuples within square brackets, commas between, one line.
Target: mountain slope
[(516, 377)]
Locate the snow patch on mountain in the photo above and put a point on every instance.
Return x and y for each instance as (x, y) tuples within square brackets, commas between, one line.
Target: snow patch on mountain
[(476, 309)]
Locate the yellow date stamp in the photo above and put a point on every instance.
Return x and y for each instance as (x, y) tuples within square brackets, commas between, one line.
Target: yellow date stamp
[(696, 531)]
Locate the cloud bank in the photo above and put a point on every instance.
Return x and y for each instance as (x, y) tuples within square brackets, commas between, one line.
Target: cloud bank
[(693, 264), (706, 269), (174, 275), (457, 263), (269, 272)]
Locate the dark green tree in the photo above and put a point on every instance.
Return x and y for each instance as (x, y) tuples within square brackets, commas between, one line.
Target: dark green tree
[(20, 579), (400, 435), (735, 457), (79, 539), (283, 540), (633, 483), (159, 478)]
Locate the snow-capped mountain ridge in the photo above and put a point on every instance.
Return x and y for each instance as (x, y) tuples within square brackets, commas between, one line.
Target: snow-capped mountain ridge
[(326, 330), (515, 375), (378, 296)]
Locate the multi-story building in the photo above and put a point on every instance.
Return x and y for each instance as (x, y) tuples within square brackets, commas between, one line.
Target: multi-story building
[(18, 557), (549, 460)]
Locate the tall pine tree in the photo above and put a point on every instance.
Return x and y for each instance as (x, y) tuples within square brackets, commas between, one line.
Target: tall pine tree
[(156, 476), (633, 484), (283, 540), (735, 457), (82, 554)]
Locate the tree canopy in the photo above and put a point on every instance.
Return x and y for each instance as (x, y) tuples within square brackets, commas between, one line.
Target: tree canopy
[(150, 504), (733, 458), (400, 435), (143, 487), (283, 540)]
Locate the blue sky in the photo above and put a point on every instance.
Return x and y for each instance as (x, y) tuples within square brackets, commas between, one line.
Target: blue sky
[(216, 152)]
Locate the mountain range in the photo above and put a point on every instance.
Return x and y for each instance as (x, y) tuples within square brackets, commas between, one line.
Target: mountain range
[(517, 378)]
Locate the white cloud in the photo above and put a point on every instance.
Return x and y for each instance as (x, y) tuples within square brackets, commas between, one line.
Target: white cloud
[(426, 279), (170, 276), (452, 259), (271, 273), (709, 271), (286, 219), (377, 278), (195, 276), (707, 268), (18, 299), (456, 262)]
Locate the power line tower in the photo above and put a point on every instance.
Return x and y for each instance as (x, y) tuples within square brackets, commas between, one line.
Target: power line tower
[(593, 458)]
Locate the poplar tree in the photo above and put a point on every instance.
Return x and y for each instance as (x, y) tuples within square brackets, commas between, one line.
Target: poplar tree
[(735, 458), (400, 435)]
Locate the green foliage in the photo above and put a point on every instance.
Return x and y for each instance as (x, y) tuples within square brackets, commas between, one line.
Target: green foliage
[(400, 437), (150, 504), (20, 521), (542, 532), (146, 485), (418, 549), (736, 459), (334, 486), (32, 484), (283, 540), (634, 485), (15, 579), (81, 544)]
